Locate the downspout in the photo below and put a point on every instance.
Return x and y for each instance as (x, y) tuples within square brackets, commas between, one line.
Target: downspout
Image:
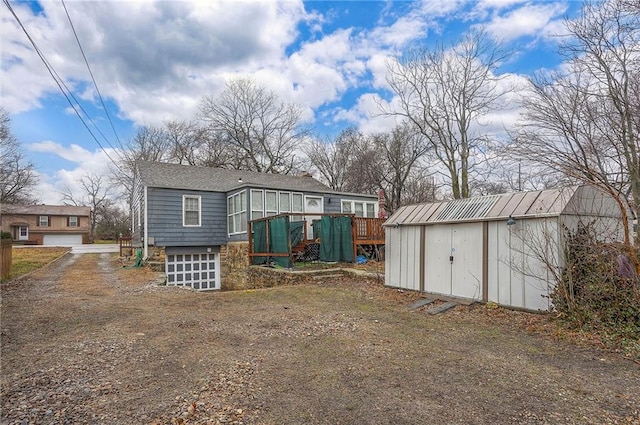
[(146, 226)]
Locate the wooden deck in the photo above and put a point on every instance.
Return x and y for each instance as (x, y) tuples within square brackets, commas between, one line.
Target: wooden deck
[(368, 236), (368, 231)]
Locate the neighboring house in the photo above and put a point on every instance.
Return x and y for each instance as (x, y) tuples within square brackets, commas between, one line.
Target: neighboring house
[(193, 213), (499, 248), (54, 225)]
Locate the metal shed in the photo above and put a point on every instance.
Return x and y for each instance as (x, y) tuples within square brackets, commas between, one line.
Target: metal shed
[(494, 248)]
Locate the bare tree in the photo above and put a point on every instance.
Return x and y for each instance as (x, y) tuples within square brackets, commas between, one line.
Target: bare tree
[(216, 152), (17, 175), (332, 158), (355, 162), (583, 122), (111, 220), (149, 144), (444, 92), (419, 187), (367, 164), (185, 139), (264, 130), (401, 149), (95, 194)]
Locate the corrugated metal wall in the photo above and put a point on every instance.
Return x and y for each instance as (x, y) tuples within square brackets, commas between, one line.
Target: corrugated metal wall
[(518, 255), (402, 263)]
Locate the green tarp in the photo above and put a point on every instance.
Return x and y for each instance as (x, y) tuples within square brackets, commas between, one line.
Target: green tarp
[(259, 241), (336, 239), (279, 240)]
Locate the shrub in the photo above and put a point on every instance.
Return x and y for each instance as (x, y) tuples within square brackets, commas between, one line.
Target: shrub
[(598, 289), (5, 235)]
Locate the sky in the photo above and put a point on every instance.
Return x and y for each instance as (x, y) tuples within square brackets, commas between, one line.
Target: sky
[(155, 60)]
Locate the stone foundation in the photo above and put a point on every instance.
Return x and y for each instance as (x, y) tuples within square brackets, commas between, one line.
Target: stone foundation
[(266, 277), (238, 274), (234, 265)]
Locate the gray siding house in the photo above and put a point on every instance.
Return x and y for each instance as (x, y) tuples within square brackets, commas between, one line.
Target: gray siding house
[(192, 213)]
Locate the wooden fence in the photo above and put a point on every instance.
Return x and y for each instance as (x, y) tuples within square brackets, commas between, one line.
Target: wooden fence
[(6, 252)]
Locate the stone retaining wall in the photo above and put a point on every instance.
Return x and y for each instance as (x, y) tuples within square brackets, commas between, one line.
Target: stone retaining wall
[(234, 264)]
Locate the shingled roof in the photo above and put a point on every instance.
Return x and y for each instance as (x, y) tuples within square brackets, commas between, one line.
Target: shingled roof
[(46, 210), (176, 176)]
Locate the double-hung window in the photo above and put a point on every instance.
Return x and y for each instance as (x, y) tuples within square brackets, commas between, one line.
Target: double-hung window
[(237, 212), (271, 201), (43, 221), (296, 206), (285, 202), (191, 213), (257, 204), (72, 221)]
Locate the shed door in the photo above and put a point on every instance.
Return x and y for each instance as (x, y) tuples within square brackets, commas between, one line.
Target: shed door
[(453, 260)]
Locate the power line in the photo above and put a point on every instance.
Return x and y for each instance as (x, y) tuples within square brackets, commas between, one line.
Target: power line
[(60, 83), (75, 34)]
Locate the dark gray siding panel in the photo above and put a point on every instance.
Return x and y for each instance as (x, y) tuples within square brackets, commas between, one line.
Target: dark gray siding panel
[(336, 201), (332, 207), (239, 237), (165, 218), (192, 249)]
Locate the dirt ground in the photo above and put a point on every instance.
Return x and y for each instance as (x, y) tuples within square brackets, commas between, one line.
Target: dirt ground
[(87, 341)]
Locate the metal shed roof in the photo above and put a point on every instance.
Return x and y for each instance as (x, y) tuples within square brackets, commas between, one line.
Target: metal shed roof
[(551, 202)]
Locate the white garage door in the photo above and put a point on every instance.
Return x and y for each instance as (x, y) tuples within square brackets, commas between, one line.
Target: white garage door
[(62, 240), (198, 271)]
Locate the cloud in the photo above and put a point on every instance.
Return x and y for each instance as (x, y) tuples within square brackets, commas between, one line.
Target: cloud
[(538, 19), (85, 162), (149, 57)]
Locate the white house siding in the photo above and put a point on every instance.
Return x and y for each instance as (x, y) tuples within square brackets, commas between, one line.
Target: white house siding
[(402, 264), (461, 277)]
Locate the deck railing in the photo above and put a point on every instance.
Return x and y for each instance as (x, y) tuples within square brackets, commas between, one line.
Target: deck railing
[(369, 230), (125, 247)]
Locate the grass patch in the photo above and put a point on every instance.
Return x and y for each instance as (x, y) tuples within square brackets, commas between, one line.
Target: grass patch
[(26, 260)]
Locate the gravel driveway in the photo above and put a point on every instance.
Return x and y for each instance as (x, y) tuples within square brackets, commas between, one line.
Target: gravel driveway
[(85, 340)]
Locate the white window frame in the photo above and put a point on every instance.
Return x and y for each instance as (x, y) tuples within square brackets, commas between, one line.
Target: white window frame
[(296, 195), (293, 207), (279, 196), (46, 221), (25, 236), (75, 223), (352, 205), (284, 196), (270, 212), (257, 194), (184, 210), (236, 217)]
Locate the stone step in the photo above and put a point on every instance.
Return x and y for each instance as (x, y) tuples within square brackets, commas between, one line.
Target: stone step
[(442, 307), (327, 276), (420, 303)]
